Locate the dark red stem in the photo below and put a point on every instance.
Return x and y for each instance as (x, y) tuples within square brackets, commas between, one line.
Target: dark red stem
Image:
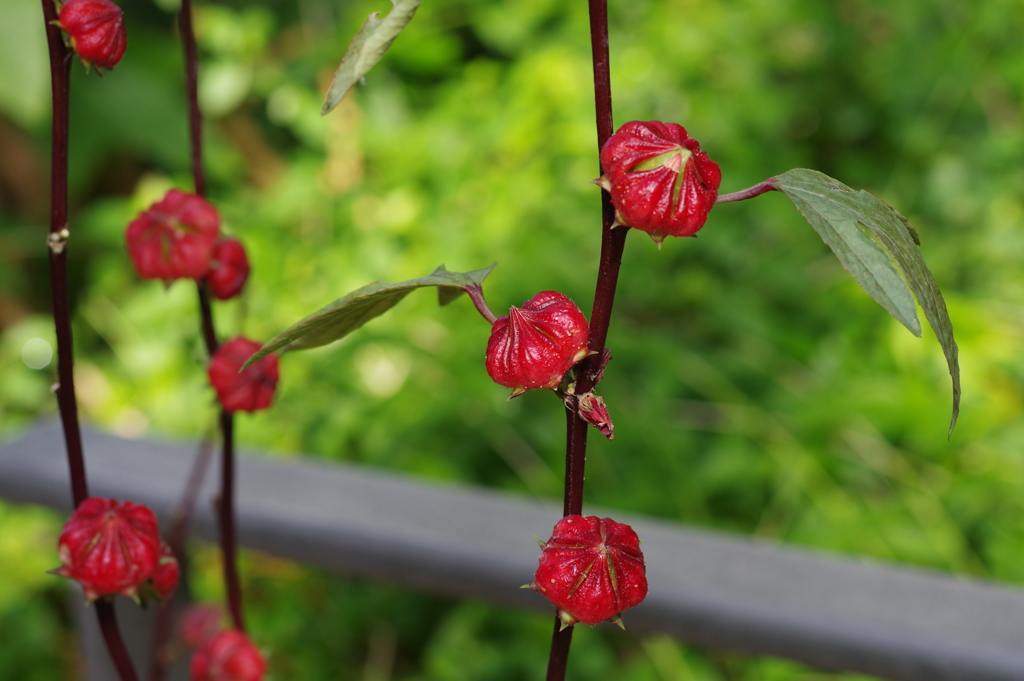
[(476, 294), (749, 193), (613, 241), (57, 242), (176, 537), (225, 505), (60, 81), (195, 118), (112, 637), (226, 514)]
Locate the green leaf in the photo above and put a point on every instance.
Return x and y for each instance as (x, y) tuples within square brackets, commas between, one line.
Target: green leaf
[(878, 246), (350, 312), (367, 48)]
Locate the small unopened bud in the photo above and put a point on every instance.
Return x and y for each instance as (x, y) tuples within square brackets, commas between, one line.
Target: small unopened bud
[(250, 390), (591, 570), (593, 411), (229, 269), (95, 31), (533, 346), (165, 576), (659, 179)]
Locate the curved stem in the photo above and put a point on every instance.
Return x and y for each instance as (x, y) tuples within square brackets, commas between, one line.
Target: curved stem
[(749, 193), (476, 294)]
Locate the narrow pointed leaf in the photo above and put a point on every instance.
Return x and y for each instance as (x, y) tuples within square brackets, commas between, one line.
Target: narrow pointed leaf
[(348, 313), (367, 48), (878, 246)]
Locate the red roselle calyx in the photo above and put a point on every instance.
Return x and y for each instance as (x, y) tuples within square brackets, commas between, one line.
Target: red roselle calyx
[(165, 576), (109, 547), (229, 269), (251, 390), (533, 346), (591, 570), (174, 238), (228, 656), (95, 31), (659, 179), (199, 623)]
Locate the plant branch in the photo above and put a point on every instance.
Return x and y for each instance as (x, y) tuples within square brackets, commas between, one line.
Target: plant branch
[(613, 241), (112, 637), (476, 294), (60, 81), (226, 517), (176, 538), (225, 502), (57, 243), (749, 193), (195, 117)]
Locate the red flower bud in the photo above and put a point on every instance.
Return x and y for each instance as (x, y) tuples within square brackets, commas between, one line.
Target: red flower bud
[(593, 410), (165, 576), (659, 179), (251, 390), (199, 623), (109, 547), (533, 346), (228, 656), (591, 570), (229, 269), (174, 238), (95, 31)]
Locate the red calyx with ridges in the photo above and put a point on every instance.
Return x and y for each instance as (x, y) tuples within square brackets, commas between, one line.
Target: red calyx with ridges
[(533, 346), (229, 269), (228, 656), (109, 547), (591, 570), (250, 390), (174, 238), (95, 31), (659, 179)]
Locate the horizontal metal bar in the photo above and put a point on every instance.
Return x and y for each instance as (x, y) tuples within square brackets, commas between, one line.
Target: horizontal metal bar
[(705, 587)]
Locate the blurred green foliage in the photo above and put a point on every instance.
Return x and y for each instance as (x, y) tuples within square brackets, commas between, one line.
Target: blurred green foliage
[(754, 387)]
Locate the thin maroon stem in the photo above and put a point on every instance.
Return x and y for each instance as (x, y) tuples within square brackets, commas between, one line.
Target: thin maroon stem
[(226, 515), (613, 241), (112, 637), (476, 294), (561, 640), (195, 118), (176, 537), (206, 317), (60, 80), (225, 503), (57, 242), (749, 193)]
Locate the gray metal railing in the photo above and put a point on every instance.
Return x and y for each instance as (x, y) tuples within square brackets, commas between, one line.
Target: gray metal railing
[(705, 587)]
